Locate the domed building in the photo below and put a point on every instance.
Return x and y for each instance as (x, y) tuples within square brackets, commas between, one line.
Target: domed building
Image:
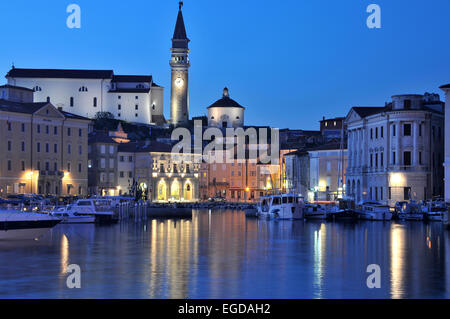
[(226, 113)]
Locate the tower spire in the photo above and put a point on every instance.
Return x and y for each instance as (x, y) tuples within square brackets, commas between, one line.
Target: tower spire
[(179, 63)]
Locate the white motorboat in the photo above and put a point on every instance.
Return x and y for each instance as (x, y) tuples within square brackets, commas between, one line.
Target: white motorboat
[(283, 206), (18, 225), (99, 208), (373, 210), (314, 211), (69, 216)]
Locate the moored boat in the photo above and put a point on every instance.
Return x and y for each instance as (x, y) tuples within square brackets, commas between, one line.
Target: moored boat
[(314, 211), (373, 210), (411, 211), (18, 225), (99, 208), (434, 210), (69, 216), (283, 206)]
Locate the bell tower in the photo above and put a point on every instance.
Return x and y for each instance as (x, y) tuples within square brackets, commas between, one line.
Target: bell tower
[(179, 63)]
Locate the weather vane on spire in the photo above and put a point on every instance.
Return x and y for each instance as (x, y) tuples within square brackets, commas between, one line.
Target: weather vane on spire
[(181, 4)]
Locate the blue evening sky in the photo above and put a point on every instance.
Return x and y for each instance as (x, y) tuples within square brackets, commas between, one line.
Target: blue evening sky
[(289, 62)]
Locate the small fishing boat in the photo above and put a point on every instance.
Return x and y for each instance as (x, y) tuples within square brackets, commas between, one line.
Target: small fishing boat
[(283, 206), (69, 216), (373, 210), (18, 225)]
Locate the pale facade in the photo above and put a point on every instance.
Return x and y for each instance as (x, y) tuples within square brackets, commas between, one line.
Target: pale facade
[(327, 173), (44, 150), (86, 92), (317, 174), (396, 152), (226, 113)]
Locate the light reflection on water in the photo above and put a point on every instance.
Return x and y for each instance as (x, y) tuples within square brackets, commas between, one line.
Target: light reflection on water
[(225, 255)]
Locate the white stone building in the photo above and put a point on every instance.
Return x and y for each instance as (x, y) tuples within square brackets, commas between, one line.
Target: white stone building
[(395, 152), (226, 113), (130, 98), (446, 89)]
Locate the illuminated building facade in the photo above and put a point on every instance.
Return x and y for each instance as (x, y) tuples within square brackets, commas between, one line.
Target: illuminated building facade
[(132, 98), (44, 149), (317, 174), (395, 152)]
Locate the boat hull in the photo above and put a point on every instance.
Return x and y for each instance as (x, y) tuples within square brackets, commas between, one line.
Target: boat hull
[(78, 220), (25, 230)]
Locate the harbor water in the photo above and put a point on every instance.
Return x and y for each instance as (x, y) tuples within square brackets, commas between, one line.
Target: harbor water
[(221, 254)]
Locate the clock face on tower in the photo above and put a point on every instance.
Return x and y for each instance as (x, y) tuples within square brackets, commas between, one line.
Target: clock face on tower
[(179, 82)]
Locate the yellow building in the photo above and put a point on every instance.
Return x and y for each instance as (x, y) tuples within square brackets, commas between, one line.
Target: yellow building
[(44, 150)]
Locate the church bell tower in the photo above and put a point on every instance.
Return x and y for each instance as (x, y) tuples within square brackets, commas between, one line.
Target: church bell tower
[(179, 63)]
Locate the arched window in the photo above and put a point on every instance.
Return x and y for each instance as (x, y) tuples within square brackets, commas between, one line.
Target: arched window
[(71, 101), (95, 102), (37, 89), (83, 89), (48, 99)]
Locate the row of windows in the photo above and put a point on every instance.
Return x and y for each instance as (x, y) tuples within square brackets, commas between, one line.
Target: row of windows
[(376, 193), (46, 129), (122, 174), (130, 159), (175, 168), (46, 166), (407, 131), (47, 147)]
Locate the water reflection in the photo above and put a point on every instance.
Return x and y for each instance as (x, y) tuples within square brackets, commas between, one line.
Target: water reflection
[(224, 255), (398, 239)]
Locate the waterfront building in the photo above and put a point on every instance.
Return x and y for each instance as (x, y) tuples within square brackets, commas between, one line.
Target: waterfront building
[(102, 164), (446, 89), (238, 180), (327, 164), (396, 151), (317, 173), (150, 168), (126, 164), (44, 149)]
